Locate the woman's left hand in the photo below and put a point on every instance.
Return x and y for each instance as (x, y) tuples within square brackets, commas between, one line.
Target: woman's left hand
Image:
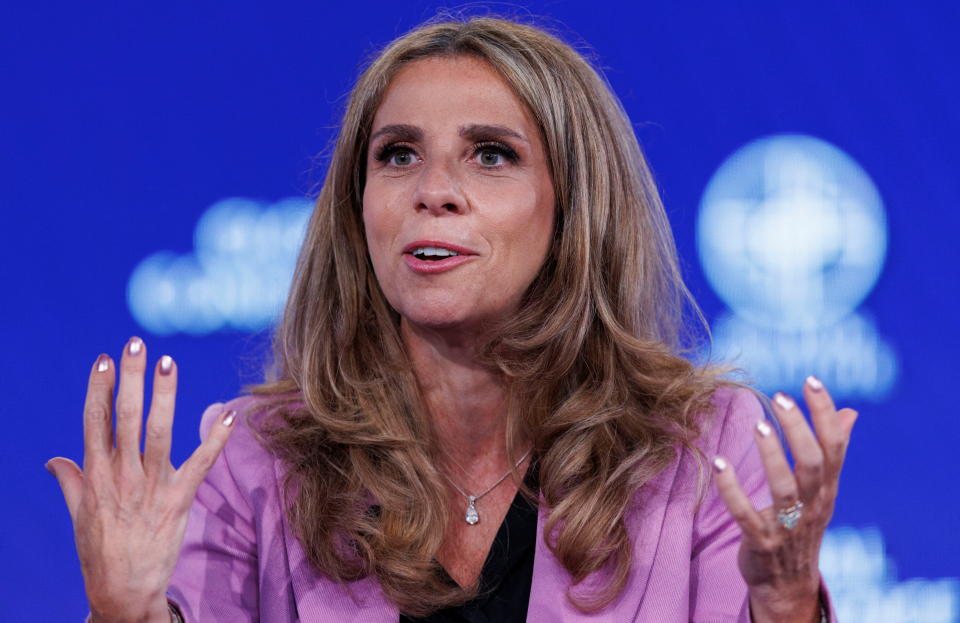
[(780, 548)]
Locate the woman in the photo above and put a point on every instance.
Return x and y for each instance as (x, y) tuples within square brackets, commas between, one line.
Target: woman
[(479, 408)]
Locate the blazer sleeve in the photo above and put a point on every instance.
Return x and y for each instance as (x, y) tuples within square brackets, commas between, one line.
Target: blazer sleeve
[(216, 577), (718, 592)]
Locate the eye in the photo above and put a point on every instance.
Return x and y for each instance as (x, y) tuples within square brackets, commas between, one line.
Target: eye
[(494, 155), (401, 158), (396, 155), (490, 158)]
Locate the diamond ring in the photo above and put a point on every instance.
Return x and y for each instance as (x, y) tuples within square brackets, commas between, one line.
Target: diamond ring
[(790, 516)]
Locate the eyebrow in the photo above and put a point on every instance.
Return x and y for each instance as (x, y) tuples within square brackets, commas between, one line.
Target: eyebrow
[(478, 131), (473, 131), (400, 131)]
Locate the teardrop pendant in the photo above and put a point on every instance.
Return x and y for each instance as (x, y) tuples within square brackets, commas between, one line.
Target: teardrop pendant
[(472, 516)]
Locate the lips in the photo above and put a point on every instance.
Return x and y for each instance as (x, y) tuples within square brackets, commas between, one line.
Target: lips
[(429, 257), (438, 244)]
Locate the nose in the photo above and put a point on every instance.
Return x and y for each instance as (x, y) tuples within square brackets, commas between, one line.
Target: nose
[(438, 191)]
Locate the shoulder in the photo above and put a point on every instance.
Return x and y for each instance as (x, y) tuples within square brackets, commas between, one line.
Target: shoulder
[(245, 459), (248, 410), (727, 427)]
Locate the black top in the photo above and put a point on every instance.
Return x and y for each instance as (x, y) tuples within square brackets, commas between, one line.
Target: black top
[(507, 573)]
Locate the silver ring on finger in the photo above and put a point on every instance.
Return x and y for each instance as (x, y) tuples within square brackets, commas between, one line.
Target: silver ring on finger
[(789, 517)]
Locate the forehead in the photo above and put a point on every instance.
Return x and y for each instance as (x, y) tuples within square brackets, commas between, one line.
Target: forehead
[(435, 92)]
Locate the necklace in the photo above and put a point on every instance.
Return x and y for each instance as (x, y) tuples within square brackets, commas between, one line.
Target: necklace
[(472, 516)]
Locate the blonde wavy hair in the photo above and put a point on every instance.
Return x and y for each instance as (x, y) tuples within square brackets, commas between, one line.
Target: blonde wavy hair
[(592, 363)]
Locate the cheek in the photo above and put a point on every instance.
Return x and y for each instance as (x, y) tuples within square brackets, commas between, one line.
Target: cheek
[(377, 228), (544, 223), (532, 231), (376, 218)]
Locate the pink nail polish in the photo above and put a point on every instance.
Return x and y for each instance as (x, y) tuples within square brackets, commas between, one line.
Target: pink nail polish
[(719, 463), (135, 346), (103, 363), (229, 418), (814, 383), (166, 365), (764, 429), (784, 401)]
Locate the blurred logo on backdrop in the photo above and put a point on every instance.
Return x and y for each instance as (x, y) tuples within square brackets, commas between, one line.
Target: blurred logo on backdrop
[(863, 583), (236, 277), (792, 236)]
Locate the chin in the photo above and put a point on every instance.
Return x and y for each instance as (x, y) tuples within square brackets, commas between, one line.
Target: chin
[(437, 318), (443, 313), (466, 308)]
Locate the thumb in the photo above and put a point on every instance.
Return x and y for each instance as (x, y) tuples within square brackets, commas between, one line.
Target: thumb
[(70, 477)]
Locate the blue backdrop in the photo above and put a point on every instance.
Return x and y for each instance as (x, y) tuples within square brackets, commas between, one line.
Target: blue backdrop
[(152, 159)]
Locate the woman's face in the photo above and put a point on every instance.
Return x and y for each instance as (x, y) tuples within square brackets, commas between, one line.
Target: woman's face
[(458, 203)]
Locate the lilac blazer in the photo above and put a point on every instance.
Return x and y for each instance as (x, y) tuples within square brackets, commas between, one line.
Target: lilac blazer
[(241, 562)]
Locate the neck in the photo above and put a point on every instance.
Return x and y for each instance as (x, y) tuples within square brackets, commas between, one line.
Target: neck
[(466, 403)]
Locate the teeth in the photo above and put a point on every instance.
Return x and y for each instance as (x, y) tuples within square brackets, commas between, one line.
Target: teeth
[(434, 252)]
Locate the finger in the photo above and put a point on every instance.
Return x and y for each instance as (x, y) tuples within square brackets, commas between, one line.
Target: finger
[(156, 451), (130, 401), (192, 472), (98, 413), (847, 418), (783, 484), (70, 478), (807, 454), (832, 429), (737, 501)]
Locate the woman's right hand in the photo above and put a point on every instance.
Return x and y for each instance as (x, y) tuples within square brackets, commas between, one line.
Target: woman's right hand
[(129, 511)]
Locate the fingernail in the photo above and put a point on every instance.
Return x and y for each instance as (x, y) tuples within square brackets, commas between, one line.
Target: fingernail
[(764, 429), (135, 346), (166, 365), (783, 400), (229, 417), (719, 463), (103, 363), (49, 469), (814, 383)]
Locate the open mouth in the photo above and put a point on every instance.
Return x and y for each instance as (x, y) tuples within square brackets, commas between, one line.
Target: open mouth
[(433, 254)]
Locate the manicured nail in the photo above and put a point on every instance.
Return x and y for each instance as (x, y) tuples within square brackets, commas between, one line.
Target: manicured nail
[(764, 429), (783, 400), (166, 365), (103, 363), (719, 464), (814, 383), (229, 417), (135, 346)]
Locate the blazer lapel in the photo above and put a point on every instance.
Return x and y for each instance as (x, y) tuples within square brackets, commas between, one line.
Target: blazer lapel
[(322, 600), (548, 594)]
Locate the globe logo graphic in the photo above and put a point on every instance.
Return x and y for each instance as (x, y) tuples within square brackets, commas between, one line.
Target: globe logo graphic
[(792, 236), (236, 277), (791, 233)]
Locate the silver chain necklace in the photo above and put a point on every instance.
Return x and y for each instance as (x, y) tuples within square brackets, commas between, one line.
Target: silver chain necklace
[(472, 516)]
